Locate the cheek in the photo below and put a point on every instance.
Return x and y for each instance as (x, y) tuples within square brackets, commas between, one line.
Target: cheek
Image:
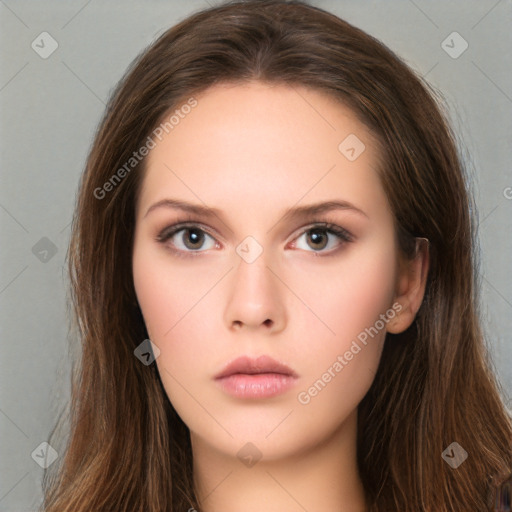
[(177, 307), (348, 294), (166, 292), (350, 297), (361, 292)]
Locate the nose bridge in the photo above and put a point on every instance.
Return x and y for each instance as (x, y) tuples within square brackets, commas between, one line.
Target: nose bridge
[(254, 297), (252, 273)]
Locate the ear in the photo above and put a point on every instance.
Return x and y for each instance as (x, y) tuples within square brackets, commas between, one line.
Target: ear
[(410, 287)]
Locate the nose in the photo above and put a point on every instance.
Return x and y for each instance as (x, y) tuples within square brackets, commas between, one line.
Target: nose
[(255, 297)]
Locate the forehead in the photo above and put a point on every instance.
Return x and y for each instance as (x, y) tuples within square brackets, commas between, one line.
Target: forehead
[(256, 144)]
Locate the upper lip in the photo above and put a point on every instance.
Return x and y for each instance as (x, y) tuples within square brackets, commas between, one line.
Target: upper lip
[(251, 366)]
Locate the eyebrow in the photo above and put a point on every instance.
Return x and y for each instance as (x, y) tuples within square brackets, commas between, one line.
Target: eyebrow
[(299, 211)]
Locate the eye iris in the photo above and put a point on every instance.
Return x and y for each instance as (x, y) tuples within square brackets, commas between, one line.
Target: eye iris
[(196, 236), (316, 235)]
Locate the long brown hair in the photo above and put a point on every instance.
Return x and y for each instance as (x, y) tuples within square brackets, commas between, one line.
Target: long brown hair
[(128, 450)]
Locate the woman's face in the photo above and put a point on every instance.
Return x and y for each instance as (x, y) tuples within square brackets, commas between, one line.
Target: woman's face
[(251, 276)]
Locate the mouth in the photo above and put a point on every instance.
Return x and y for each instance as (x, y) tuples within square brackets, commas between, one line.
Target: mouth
[(263, 377)]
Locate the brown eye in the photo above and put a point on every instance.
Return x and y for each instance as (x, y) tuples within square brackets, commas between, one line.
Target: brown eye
[(323, 236), (318, 238), (193, 238), (186, 239)]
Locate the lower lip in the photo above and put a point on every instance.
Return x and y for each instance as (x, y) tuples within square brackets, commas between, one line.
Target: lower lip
[(262, 385)]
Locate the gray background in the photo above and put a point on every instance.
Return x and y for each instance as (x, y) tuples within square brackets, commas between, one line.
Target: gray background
[(50, 109)]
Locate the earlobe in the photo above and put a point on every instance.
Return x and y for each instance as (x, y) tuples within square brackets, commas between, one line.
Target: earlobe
[(410, 290)]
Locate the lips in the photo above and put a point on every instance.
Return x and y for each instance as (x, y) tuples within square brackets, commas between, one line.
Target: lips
[(261, 365), (256, 379)]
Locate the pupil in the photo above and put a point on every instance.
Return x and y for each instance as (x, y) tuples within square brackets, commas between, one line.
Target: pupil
[(316, 236), (196, 238)]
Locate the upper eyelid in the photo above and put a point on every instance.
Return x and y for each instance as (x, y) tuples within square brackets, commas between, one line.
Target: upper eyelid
[(171, 230)]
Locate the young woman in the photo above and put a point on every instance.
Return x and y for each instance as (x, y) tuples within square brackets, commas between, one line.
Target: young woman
[(272, 266)]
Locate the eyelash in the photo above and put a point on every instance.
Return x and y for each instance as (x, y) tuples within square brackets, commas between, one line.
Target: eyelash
[(329, 227)]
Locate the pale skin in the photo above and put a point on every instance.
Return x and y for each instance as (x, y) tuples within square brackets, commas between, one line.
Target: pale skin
[(252, 152)]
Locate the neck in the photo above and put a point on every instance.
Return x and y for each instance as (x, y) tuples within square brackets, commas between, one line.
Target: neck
[(320, 477)]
